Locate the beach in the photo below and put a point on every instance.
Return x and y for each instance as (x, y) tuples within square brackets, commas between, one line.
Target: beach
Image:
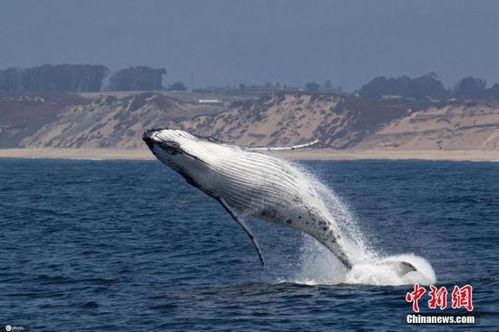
[(306, 154)]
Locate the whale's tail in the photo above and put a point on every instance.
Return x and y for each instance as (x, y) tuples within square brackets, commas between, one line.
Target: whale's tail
[(399, 266), (392, 270)]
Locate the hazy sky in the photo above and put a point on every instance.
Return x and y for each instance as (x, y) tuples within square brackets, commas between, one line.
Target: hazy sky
[(228, 42)]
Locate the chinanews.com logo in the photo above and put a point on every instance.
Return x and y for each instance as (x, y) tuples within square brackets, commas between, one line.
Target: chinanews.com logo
[(461, 298), (14, 328)]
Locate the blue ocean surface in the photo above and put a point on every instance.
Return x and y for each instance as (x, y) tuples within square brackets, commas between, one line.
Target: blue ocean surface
[(129, 245)]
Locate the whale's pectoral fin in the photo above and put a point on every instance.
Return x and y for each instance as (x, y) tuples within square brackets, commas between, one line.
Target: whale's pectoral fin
[(282, 148), (241, 222)]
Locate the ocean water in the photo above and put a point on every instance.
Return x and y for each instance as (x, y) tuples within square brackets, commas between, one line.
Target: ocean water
[(129, 245)]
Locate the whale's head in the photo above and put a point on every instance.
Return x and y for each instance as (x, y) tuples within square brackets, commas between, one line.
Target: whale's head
[(176, 148)]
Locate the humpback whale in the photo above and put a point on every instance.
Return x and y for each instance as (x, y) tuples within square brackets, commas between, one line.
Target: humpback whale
[(247, 182)]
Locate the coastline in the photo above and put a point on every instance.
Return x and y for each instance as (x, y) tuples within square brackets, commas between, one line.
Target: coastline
[(306, 154)]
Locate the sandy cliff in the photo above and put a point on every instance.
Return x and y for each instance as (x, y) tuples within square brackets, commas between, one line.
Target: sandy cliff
[(458, 126), (117, 120)]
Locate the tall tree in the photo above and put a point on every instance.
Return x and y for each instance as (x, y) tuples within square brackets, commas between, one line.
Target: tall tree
[(426, 86), (137, 78), (312, 87), (470, 88), (50, 78), (177, 86), (493, 92)]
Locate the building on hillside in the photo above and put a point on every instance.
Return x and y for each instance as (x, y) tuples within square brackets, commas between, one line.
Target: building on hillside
[(211, 102)]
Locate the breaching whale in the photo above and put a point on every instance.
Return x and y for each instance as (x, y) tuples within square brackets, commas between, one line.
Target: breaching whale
[(251, 183)]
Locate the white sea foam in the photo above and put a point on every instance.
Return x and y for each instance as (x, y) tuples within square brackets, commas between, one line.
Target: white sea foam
[(382, 273), (319, 266)]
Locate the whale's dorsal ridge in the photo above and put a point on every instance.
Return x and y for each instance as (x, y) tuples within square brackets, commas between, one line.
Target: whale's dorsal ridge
[(244, 226)]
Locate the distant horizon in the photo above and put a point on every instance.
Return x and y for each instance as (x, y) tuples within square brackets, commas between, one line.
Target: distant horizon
[(217, 43)]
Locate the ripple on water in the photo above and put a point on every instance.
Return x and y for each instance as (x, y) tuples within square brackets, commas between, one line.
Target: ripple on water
[(114, 245)]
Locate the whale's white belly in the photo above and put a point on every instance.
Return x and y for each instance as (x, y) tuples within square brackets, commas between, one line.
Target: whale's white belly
[(270, 189)]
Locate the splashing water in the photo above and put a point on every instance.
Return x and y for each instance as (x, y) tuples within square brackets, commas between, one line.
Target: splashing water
[(377, 273), (319, 266)]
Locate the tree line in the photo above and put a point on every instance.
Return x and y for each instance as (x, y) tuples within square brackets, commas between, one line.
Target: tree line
[(81, 78), (428, 87), (94, 78)]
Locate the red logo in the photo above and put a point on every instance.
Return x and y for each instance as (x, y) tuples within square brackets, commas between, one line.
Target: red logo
[(462, 297), (438, 298), (415, 296)]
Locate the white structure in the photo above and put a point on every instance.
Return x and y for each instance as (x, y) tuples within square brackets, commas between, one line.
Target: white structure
[(210, 101)]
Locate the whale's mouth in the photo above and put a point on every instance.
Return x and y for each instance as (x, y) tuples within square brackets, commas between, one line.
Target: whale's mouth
[(148, 140), (161, 142), (152, 140), (148, 135)]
